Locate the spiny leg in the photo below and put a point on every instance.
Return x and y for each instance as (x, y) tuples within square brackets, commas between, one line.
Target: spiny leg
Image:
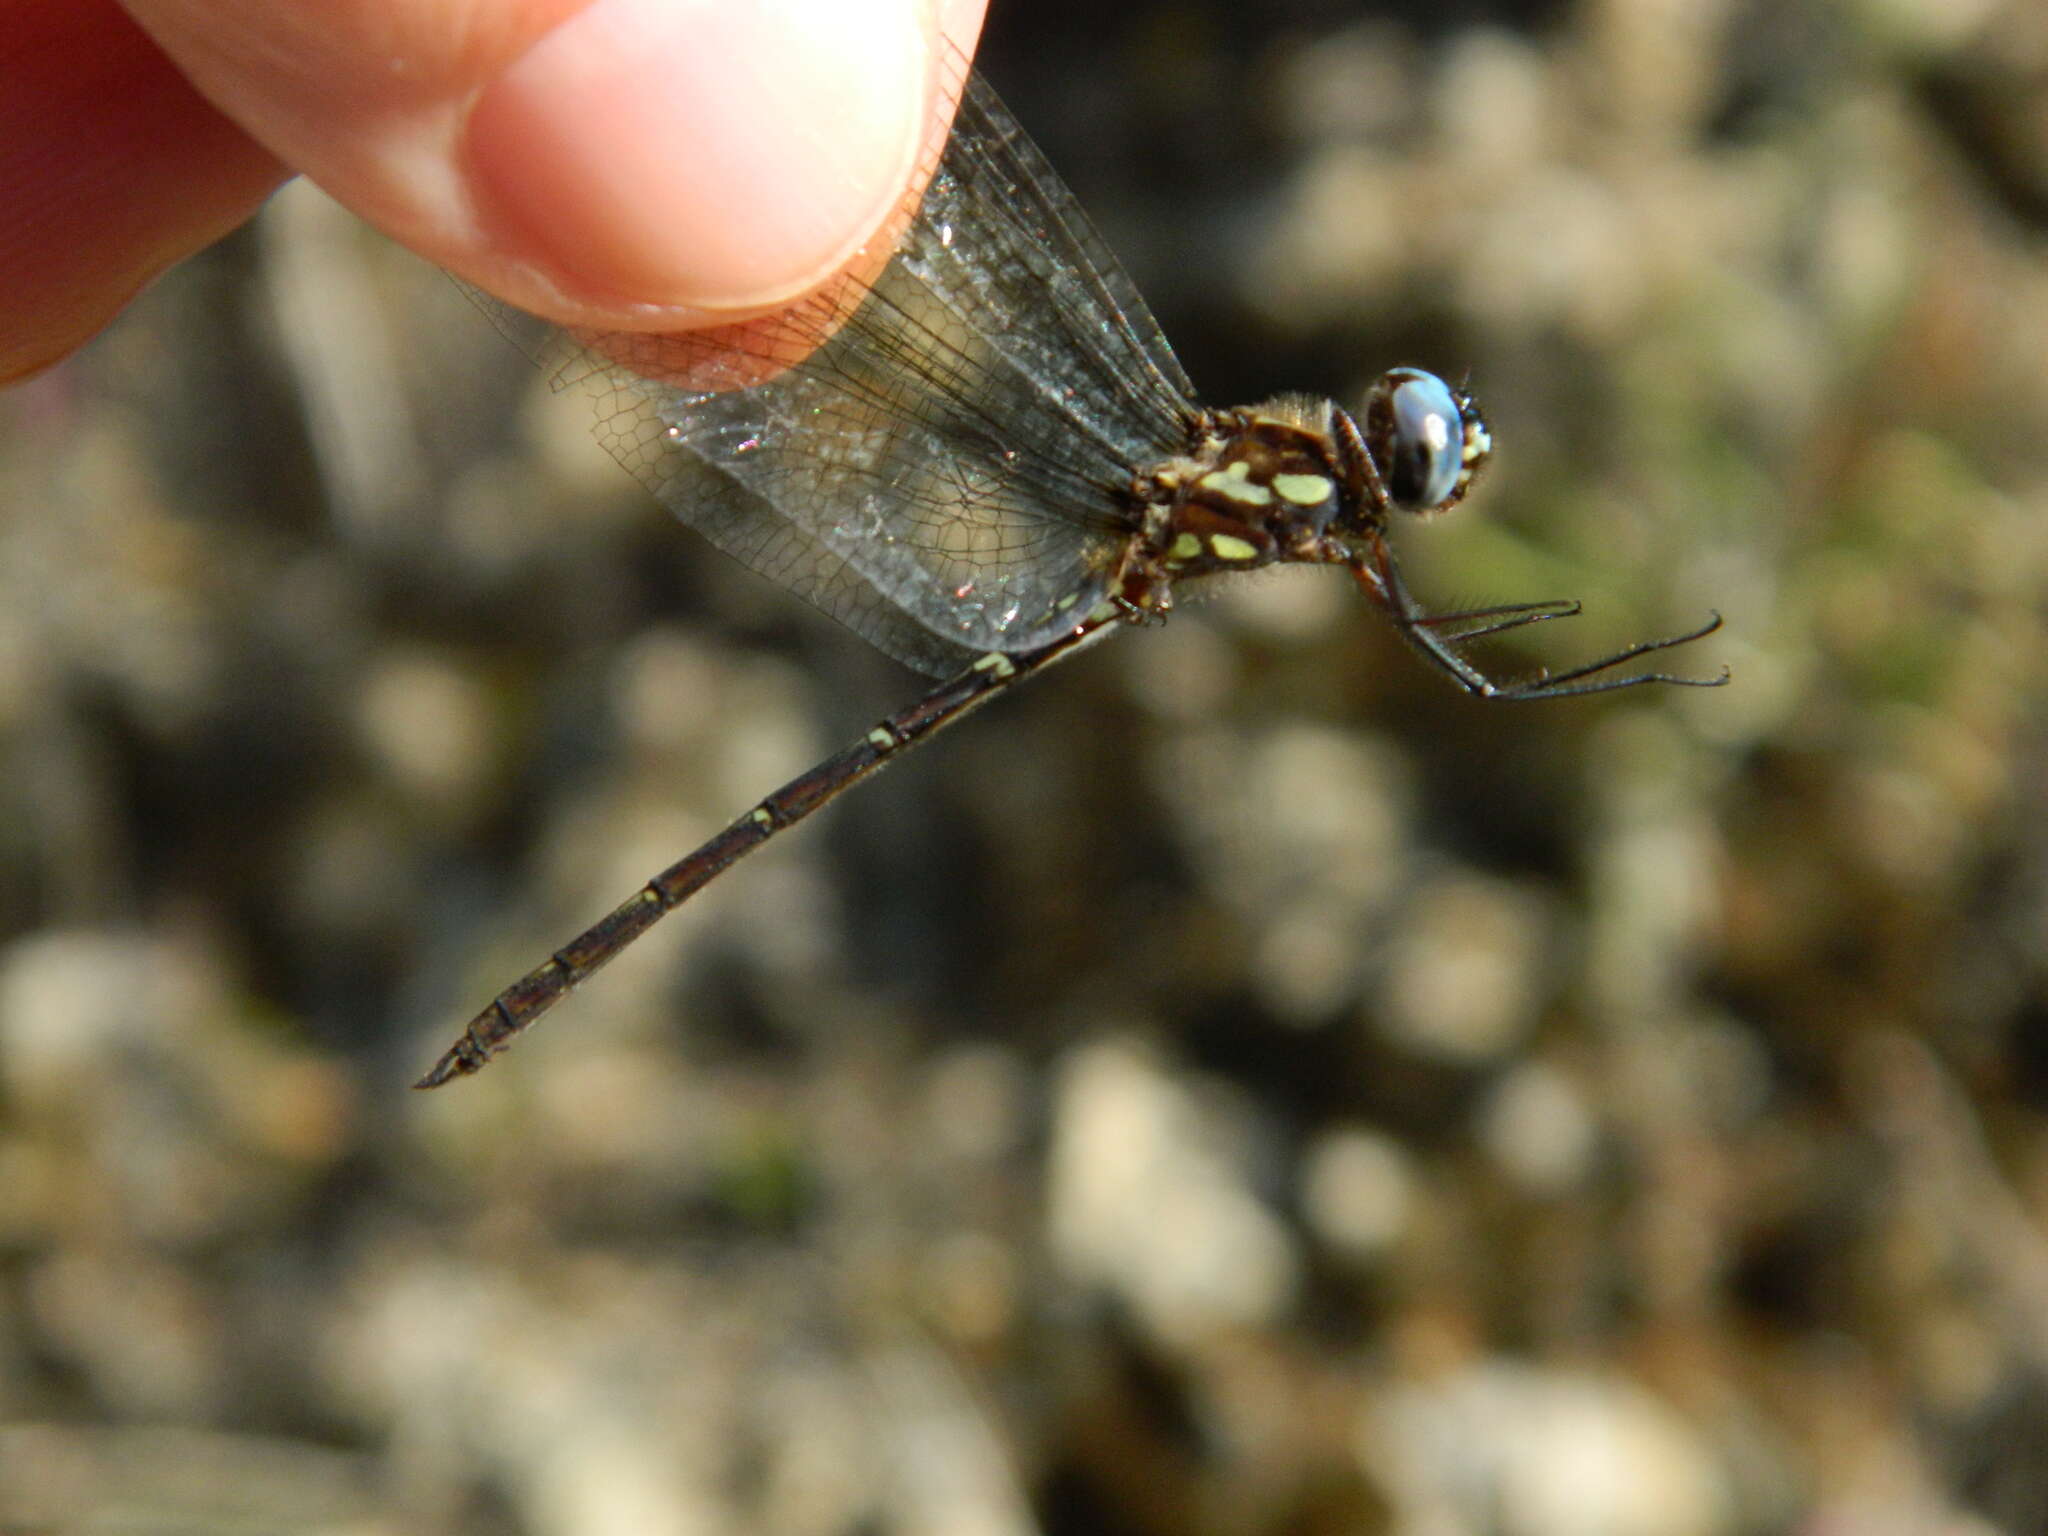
[(1585, 678), (1495, 620), (516, 1008), (1381, 580)]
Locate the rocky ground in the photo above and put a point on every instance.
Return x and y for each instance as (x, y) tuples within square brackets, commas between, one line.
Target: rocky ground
[(1237, 1085)]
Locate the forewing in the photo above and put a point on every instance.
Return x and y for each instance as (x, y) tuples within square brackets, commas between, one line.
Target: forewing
[(941, 458)]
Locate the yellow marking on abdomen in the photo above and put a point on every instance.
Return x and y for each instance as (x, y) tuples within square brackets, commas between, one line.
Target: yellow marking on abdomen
[(1228, 547)]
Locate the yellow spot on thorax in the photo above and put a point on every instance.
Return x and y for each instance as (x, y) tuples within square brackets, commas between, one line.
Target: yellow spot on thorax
[(1233, 483), (1304, 490)]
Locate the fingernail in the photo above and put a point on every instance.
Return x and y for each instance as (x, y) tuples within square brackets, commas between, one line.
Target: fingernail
[(701, 153)]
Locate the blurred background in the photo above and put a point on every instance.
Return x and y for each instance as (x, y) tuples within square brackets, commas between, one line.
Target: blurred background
[(1238, 1085)]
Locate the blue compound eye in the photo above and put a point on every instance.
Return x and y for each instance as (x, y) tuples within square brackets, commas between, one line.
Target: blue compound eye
[(1425, 442), (1427, 439)]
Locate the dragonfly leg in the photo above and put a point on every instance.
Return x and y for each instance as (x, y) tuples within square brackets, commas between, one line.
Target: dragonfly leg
[(1438, 636)]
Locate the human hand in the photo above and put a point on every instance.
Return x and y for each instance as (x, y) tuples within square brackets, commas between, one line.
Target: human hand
[(632, 164)]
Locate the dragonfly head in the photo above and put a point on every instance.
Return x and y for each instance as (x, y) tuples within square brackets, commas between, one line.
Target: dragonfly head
[(1426, 440)]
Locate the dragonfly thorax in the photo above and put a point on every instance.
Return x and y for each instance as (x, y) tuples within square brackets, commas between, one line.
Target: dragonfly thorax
[(1262, 485)]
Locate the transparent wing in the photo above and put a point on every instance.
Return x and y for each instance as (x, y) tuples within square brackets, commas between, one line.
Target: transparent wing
[(939, 456)]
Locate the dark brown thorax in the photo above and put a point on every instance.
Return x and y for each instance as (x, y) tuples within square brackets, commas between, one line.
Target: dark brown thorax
[(1261, 486)]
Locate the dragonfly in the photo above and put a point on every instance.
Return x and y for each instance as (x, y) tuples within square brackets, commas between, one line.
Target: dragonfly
[(976, 450)]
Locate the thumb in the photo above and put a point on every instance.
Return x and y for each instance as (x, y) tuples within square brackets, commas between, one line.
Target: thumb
[(626, 163)]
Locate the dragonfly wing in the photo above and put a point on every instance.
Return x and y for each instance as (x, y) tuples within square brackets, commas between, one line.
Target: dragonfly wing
[(943, 449)]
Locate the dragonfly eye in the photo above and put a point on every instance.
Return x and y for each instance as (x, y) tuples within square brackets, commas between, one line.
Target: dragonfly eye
[(1427, 439)]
